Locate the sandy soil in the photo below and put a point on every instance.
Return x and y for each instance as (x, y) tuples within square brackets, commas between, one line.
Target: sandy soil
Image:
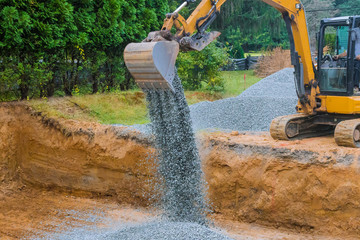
[(27, 213), (58, 176)]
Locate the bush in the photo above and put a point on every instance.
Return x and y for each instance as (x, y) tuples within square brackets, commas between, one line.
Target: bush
[(235, 50), (200, 70), (68, 46)]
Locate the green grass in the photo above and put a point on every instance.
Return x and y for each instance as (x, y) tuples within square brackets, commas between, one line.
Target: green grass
[(130, 107), (235, 83), (254, 54)]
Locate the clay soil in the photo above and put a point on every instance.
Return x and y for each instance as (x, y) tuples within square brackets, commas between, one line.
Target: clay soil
[(60, 175), (28, 213)]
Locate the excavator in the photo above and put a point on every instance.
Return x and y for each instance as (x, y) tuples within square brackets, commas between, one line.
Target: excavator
[(327, 102)]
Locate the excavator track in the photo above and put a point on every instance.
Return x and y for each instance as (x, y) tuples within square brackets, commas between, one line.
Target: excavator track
[(347, 133), (279, 126), (298, 126)]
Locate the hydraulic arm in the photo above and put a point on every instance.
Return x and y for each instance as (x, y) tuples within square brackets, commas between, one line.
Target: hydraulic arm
[(152, 62)]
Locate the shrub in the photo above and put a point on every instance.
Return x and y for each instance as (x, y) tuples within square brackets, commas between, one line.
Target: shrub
[(200, 70)]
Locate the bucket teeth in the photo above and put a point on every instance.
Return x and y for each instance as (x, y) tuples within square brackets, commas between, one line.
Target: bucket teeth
[(152, 64)]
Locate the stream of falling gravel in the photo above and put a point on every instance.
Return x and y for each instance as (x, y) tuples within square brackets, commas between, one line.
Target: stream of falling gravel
[(183, 195)]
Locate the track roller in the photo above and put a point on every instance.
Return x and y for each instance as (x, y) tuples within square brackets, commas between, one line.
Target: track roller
[(298, 126), (284, 127)]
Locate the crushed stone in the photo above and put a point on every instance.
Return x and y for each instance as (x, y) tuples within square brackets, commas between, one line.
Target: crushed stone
[(183, 186), (253, 110), (168, 231)]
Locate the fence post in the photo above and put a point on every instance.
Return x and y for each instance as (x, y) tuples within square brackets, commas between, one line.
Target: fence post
[(244, 81)]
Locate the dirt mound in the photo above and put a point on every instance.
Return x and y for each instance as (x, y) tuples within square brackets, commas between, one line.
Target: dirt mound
[(272, 62)]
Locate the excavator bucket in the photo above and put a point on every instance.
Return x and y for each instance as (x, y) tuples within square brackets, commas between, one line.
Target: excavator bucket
[(152, 64)]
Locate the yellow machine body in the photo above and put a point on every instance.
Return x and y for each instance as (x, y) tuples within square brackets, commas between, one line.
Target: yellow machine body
[(340, 104)]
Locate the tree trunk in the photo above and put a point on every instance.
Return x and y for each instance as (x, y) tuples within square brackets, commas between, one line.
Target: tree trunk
[(95, 84), (24, 88), (50, 87)]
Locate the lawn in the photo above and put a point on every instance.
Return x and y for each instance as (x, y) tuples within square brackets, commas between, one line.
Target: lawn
[(238, 81), (130, 107), (254, 54)]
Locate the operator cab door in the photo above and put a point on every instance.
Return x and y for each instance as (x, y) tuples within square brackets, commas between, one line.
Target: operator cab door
[(336, 77)]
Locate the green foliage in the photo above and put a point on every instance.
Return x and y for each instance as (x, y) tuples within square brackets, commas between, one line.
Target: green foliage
[(52, 46), (201, 69), (8, 84), (330, 42), (252, 24), (349, 8), (235, 50)]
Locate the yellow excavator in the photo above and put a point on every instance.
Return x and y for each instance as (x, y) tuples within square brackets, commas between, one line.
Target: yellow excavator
[(327, 100)]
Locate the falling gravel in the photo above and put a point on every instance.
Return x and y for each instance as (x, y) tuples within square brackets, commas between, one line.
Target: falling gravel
[(179, 166)]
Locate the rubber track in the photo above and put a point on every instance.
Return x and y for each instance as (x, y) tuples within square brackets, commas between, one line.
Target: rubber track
[(344, 133), (278, 126)]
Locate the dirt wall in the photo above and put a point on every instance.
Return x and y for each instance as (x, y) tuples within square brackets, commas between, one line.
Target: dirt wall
[(292, 187), (310, 185), (8, 142), (84, 158)]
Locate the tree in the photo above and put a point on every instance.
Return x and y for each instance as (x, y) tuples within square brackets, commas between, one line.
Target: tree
[(347, 8), (49, 45), (314, 17), (254, 24), (201, 69)]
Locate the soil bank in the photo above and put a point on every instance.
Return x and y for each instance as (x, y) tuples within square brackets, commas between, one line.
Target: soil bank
[(310, 186)]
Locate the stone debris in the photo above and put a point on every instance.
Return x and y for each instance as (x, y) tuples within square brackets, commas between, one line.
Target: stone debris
[(168, 231), (253, 110), (179, 166)]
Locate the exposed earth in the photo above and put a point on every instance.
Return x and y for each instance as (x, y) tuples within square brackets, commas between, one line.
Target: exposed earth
[(62, 178)]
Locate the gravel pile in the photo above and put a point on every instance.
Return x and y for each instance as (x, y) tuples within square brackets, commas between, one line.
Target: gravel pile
[(155, 230), (253, 110), (179, 164), (168, 231)]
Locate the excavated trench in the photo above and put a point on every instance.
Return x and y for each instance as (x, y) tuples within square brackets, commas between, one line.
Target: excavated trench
[(309, 187)]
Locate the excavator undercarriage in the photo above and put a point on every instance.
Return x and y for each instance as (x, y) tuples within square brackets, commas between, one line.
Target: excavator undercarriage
[(346, 130)]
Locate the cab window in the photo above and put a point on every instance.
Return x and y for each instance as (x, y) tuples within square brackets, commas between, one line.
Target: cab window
[(333, 73)]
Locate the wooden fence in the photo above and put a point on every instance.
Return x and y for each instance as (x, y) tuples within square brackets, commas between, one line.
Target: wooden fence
[(241, 64)]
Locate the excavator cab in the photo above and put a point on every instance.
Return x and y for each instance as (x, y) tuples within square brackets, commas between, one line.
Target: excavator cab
[(336, 60)]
